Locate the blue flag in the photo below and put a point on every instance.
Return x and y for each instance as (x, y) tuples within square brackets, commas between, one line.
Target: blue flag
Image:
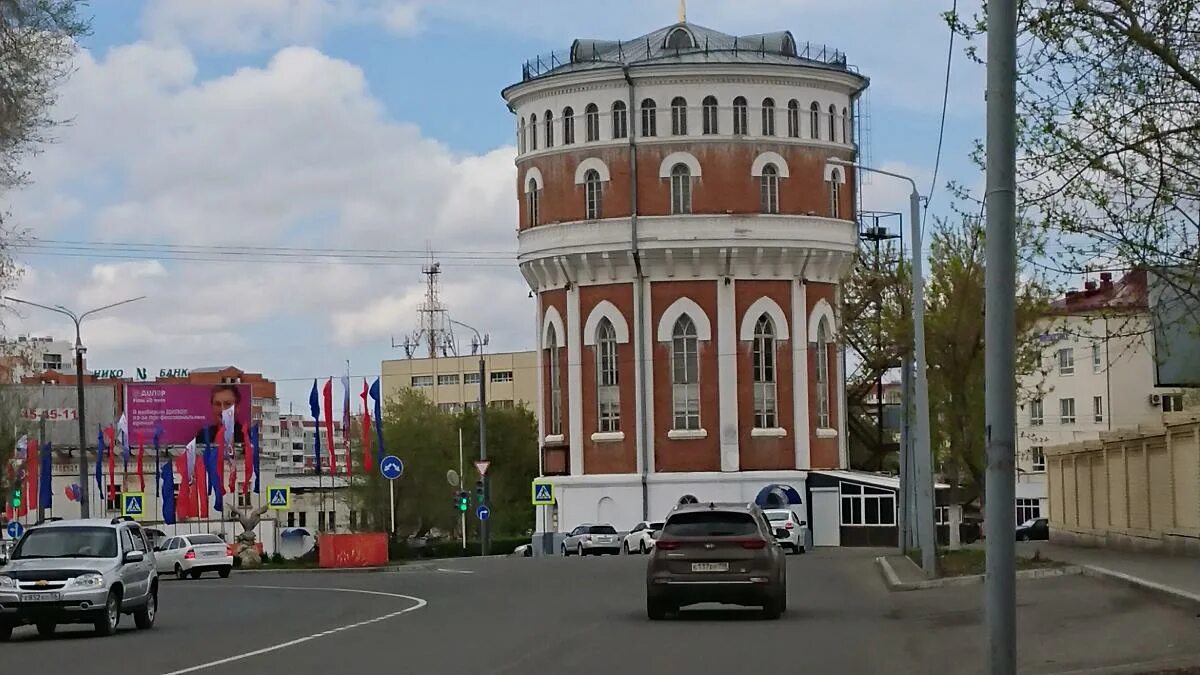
[(168, 492), (314, 402), (214, 481), (99, 460), (374, 393), (45, 478), (254, 444)]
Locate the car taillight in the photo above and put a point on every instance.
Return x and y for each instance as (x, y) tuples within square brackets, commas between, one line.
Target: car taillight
[(753, 543), (667, 545), (787, 525), (190, 555)]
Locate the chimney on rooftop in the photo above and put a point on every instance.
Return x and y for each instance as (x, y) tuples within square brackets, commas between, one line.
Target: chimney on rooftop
[(1106, 279), (1089, 286)]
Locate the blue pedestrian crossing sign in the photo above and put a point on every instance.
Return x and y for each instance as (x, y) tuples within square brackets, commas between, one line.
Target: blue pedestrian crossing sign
[(279, 497), (543, 493), (482, 512), (132, 505), (15, 530)]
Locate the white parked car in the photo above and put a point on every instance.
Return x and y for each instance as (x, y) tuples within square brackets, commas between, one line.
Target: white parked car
[(792, 521), (591, 539), (192, 555), (641, 538)]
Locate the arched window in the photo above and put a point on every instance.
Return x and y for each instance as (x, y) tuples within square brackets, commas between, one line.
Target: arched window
[(591, 184), (681, 189), (764, 373), (620, 120), (768, 117), (532, 199), (739, 115), (710, 115), (814, 121), (769, 189), (555, 381), (608, 395), (845, 125), (521, 136), (568, 123), (679, 116), (533, 132), (793, 119), (685, 375), (680, 38), (591, 120), (823, 375), (548, 121), (832, 123), (835, 194), (649, 118)]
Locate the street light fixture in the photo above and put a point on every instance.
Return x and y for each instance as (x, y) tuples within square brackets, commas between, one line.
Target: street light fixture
[(484, 526), (923, 459), (84, 507)]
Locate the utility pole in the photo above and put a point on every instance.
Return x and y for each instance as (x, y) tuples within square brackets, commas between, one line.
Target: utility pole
[(999, 337), (484, 526)]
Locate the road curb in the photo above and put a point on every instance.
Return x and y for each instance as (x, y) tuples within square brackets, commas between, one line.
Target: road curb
[(893, 583), (415, 566), (1172, 594)]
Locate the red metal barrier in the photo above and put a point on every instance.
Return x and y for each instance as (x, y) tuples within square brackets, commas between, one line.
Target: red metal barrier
[(353, 550)]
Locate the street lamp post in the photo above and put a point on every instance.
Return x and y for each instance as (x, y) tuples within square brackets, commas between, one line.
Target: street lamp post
[(84, 506), (923, 460), (485, 528)]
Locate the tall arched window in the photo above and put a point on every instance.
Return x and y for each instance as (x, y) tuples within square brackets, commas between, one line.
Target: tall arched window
[(835, 193), (608, 395), (679, 116), (533, 132), (620, 120), (681, 189), (649, 118), (685, 375), (832, 122), (823, 375), (521, 136), (739, 115), (591, 120), (793, 118), (568, 123), (845, 125), (769, 189), (548, 122), (764, 373), (592, 190), (768, 117), (814, 121), (555, 381), (532, 199), (709, 115)]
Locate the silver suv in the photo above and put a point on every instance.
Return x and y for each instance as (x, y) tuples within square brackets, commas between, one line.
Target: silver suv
[(79, 571)]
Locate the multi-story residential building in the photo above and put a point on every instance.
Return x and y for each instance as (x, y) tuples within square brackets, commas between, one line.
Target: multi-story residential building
[(28, 355), (298, 444), (453, 382), (1096, 374)]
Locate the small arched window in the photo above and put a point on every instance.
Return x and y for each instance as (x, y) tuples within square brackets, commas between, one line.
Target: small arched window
[(769, 189), (592, 191), (649, 118), (764, 373), (845, 125), (548, 122), (835, 194), (814, 121), (608, 394), (591, 122), (685, 374), (521, 136), (739, 116), (568, 124), (620, 120), (832, 123), (709, 115), (768, 117), (533, 132), (680, 38), (793, 116), (681, 189), (553, 374), (532, 199), (823, 374), (679, 116)]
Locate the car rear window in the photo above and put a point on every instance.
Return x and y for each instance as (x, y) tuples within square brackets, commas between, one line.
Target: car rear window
[(205, 539), (602, 529), (656, 526), (777, 515), (711, 524)]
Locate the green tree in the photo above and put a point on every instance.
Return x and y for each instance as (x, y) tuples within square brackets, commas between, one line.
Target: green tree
[(512, 450)]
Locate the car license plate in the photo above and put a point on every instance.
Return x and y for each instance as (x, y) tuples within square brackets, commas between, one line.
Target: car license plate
[(41, 597), (710, 567), (213, 554)]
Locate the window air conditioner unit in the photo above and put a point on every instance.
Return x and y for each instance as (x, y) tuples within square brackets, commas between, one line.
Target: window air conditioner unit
[(1155, 399)]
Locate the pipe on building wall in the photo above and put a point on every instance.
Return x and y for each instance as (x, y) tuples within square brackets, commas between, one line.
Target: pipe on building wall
[(639, 285)]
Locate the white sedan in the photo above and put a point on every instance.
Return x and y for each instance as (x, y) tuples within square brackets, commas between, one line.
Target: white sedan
[(191, 555), (641, 538)]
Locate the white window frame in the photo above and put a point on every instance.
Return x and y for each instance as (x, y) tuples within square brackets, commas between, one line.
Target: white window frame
[(685, 375), (740, 116), (608, 392), (681, 189), (832, 123), (470, 378), (591, 123), (568, 124), (548, 123), (555, 381), (1098, 409), (620, 120), (1066, 361), (593, 194), (679, 121), (445, 380), (835, 193), (765, 376), (500, 376), (854, 494), (421, 381), (822, 375), (1028, 509), (814, 121), (1066, 410), (649, 109), (1037, 458), (1037, 412), (793, 119), (768, 117), (768, 193), (533, 133), (708, 115), (533, 199)]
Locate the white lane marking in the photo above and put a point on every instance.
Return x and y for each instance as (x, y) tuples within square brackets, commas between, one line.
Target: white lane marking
[(291, 643), (443, 569)]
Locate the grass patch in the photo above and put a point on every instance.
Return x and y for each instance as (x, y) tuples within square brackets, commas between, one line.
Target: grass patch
[(966, 562)]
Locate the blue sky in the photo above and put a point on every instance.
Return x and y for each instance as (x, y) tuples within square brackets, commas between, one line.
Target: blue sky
[(372, 124)]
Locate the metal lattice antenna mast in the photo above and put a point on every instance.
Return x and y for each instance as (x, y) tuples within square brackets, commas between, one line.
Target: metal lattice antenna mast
[(433, 322)]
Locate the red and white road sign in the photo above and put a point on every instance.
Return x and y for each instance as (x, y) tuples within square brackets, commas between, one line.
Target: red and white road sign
[(481, 465)]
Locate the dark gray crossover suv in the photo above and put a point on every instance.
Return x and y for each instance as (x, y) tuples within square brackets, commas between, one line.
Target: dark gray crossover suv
[(723, 553)]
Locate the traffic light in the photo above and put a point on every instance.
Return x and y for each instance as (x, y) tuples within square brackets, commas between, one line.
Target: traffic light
[(479, 491), (16, 498), (462, 501)]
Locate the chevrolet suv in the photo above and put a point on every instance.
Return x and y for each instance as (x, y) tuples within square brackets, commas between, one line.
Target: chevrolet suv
[(79, 571), (723, 553)]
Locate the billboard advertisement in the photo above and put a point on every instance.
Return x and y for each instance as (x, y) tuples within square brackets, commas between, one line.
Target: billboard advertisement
[(186, 411), (59, 404)]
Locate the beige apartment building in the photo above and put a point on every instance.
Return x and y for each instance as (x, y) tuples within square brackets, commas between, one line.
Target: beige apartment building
[(453, 382)]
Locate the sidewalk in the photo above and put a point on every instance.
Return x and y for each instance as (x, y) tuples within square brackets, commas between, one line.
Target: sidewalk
[(1169, 573)]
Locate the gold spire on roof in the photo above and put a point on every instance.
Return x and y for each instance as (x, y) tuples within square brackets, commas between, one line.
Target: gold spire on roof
[(682, 11)]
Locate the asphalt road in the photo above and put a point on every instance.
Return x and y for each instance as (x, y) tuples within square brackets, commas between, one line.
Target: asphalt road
[(584, 616)]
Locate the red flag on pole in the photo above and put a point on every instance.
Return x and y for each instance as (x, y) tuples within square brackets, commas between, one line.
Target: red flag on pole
[(109, 435), (368, 462), (200, 491), (185, 503), (248, 449), (32, 466), (141, 476), (327, 395)]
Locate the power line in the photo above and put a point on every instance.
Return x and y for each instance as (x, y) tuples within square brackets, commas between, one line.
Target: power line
[(937, 160)]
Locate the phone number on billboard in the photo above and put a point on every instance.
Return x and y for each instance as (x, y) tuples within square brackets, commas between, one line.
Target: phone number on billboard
[(51, 414)]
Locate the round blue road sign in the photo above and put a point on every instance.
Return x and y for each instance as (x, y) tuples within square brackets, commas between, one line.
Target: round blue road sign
[(15, 530), (482, 512), (391, 467)]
